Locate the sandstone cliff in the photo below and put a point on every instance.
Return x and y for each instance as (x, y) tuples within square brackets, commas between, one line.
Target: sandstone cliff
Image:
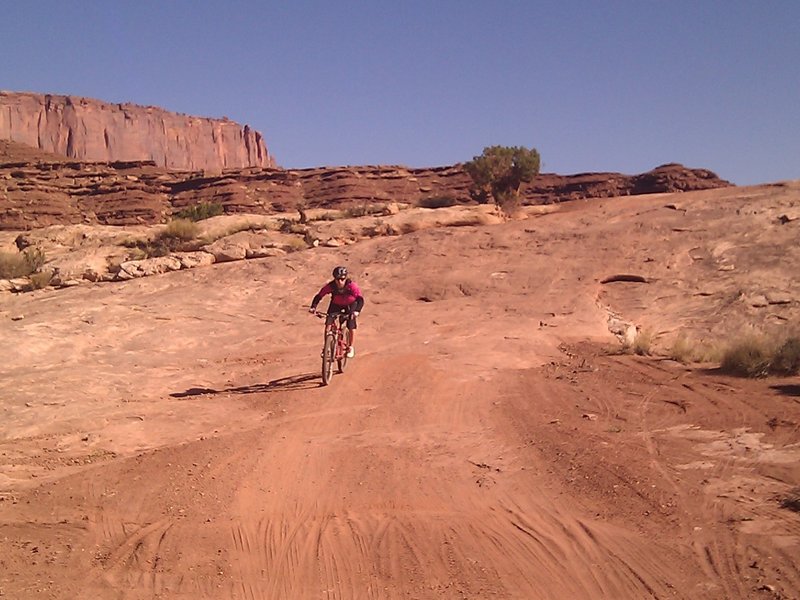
[(37, 189), (91, 130)]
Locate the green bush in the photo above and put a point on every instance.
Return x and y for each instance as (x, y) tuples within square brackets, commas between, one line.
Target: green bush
[(21, 264), (200, 211), (498, 175)]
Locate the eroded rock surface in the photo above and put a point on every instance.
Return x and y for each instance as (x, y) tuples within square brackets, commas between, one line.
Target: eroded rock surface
[(37, 191), (93, 130)]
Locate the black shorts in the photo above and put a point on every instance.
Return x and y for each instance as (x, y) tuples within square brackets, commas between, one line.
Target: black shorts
[(345, 313)]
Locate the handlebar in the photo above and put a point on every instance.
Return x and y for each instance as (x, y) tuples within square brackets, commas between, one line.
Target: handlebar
[(322, 314)]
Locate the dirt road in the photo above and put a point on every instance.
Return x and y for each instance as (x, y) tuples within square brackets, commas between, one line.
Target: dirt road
[(168, 437)]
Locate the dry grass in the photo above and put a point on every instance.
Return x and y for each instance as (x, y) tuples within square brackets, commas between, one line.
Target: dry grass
[(641, 344), (295, 245), (786, 360), (682, 350), (289, 226), (752, 354), (235, 228), (21, 264), (759, 355), (41, 279), (201, 211), (379, 228), (686, 350), (179, 235), (183, 230), (363, 210), (749, 356)]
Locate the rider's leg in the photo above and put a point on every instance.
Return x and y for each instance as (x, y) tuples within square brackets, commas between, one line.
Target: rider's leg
[(330, 318), (351, 327)]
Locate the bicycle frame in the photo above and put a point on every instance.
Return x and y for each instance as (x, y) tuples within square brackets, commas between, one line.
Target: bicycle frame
[(335, 346)]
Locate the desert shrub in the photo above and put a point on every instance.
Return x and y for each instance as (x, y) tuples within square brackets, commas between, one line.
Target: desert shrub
[(180, 229), (682, 349), (21, 264), (498, 174), (41, 279), (236, 228), (437, 202), (200, 211), (362, 210), (791, 500), (786, 360), (641, 344), (747, 357), (687, 350), (179, 235), (289, 226), (379, 228), (295, 245)]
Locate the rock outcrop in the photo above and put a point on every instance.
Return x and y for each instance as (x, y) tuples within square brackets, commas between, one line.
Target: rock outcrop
[(91, 130), (41, 190)]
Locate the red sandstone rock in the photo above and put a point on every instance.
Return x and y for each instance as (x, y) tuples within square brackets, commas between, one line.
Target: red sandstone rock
[(92, 130), (36, 190)]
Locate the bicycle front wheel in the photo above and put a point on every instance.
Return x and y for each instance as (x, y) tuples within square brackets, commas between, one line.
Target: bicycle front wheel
[(328, 352), (342, 361)]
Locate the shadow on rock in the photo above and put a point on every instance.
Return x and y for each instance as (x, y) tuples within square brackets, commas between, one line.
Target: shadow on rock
[(787, 390), (306, 381)]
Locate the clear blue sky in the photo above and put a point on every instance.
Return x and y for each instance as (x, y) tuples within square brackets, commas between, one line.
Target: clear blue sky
[(594, 86)]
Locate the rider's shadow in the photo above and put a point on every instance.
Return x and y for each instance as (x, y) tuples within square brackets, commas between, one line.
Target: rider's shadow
[(293, 383)]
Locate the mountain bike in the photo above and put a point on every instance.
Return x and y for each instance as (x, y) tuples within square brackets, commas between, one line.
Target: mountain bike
[(337, 341)]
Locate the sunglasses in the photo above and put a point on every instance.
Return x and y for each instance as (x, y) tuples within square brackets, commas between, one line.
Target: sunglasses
[(341, 279)]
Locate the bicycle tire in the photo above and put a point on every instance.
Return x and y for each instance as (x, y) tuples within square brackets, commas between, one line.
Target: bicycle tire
[(342, 362), (328, 353)]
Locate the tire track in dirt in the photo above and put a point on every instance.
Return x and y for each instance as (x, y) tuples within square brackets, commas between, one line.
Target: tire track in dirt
[(380, 500), (135, 563), (724, 526)]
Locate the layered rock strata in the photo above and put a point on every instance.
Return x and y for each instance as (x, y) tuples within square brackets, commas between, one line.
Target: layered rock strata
[(40, 190), (91, 130)]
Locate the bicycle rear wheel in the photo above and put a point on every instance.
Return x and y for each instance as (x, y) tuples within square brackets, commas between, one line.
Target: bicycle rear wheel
[(342, 362), (328, 353)]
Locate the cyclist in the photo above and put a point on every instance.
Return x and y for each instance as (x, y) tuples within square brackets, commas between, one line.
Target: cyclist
[(345, 298)]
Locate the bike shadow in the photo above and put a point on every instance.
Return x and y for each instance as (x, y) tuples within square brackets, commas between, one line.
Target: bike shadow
[(293, 383), (787, 390)]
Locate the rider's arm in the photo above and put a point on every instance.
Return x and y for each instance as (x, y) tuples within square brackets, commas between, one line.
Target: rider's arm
[(359, 301), (326, 289)]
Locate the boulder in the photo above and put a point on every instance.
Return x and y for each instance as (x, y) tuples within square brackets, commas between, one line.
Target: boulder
[(226, 250), (133, 269), (265, 252), (190, 260)]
